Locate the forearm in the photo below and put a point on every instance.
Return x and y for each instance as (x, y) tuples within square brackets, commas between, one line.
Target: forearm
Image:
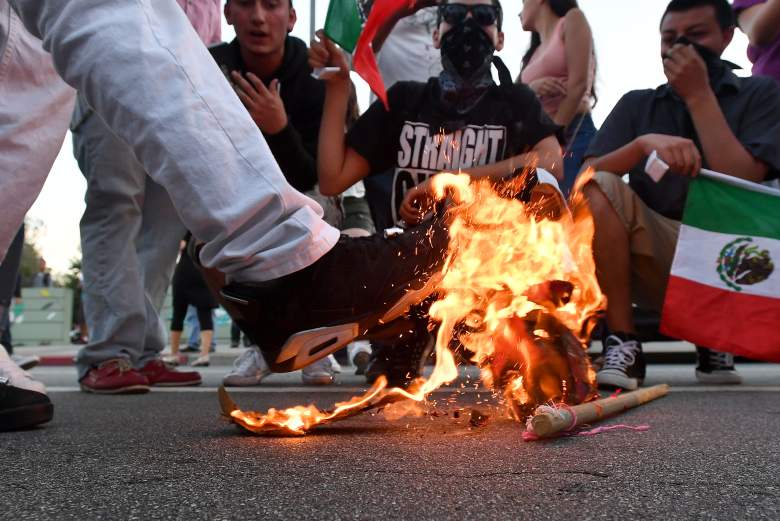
[(761, 23), (721, 149), (527, 160), (619, 161), (297, 163), (570, 106), (331, 150)]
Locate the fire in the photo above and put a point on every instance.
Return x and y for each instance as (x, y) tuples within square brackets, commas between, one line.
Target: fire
[(519, 293)]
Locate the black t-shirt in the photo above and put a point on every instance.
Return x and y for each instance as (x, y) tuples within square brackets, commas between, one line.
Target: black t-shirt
[(751, 107), (411, 141)]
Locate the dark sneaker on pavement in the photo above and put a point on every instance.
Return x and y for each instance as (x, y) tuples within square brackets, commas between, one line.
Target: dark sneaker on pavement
[(115, 376), (23, 401), (357, 289), (161, 374), (716, 368), (623, 366), (402, 360)]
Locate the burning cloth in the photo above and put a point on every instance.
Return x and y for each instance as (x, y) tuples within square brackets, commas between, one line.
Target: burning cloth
[(518, 295)]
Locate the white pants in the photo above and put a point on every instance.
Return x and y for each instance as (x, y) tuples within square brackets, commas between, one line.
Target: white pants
[(141, 66)]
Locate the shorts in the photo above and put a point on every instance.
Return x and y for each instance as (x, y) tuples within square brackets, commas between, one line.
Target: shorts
[(652, 240)]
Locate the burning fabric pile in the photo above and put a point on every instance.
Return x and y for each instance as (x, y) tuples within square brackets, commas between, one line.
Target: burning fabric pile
[(518, 296)]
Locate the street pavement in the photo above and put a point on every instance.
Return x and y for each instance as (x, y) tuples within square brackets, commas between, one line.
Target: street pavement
[(709, 453)]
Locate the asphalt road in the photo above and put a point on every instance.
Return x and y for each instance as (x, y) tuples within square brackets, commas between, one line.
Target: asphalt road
[(709, 454)]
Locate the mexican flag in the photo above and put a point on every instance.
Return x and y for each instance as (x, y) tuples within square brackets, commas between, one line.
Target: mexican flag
[(724, 288), (353, 24), (344, 22)]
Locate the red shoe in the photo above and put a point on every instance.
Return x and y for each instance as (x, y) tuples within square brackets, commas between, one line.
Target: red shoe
[(115, 376), (160, 374)]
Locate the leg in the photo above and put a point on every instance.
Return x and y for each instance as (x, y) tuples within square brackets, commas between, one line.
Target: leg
[(191, 321), (256, 227), (113, 295), (206, 334), (157, 247), (177, 321), (612, 256), (9, 269), (35, 107)]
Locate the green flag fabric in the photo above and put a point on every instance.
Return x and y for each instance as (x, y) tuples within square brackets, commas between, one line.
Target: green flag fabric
[(343, 23)]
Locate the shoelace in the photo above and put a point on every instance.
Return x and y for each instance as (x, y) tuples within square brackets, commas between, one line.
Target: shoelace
[(122, 364), (720, 360), (620, 354)]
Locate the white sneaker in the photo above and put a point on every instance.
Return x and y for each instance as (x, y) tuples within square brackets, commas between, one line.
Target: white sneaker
[(16, 376), (248, 369), (359, 353), (26, 362), (320, 372)]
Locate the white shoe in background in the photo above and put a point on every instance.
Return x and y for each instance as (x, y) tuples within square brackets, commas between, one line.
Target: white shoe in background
[(249, 369)]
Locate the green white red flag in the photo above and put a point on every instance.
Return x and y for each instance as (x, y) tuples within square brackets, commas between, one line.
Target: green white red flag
[(724, 287), (343, 26)]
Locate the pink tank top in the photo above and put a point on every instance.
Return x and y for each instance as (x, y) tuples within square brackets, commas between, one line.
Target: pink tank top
[(551, 62)]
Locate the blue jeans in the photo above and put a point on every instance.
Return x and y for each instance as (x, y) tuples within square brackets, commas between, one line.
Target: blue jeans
[(576, 146)]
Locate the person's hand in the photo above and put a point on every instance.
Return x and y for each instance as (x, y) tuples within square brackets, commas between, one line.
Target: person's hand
[(686, 72), (324, 53), (679, 153), (263, 103), (417, 202), (548, 86)]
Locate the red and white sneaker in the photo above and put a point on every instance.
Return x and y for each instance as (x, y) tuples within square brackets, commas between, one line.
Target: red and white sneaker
[(114, 376), (161, 374)]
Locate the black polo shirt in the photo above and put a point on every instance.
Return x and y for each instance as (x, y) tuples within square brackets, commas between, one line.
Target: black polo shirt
[(751, 107)]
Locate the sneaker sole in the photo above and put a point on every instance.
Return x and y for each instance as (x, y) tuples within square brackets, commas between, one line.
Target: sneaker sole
[(131, 389), (26, 417), (177, 384), (242, 381), (719, 378), (306, 347), (608, 378)]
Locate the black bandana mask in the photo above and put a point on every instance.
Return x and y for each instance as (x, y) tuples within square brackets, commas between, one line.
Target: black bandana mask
[(466, 50), (715, 66)]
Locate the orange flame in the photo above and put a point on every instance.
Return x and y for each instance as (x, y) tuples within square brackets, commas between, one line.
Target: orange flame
[(519, 293)]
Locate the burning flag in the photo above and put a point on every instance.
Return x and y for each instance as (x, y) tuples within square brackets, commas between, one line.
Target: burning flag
[(724, 288), (518, 295)]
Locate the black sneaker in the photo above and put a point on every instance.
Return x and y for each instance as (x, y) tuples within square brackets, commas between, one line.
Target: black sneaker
[(716, 368), (23, 401), (355, 290), (623, 366), (403, 360)]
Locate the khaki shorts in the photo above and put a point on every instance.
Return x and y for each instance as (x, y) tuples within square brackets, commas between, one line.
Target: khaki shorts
[(652, 239)]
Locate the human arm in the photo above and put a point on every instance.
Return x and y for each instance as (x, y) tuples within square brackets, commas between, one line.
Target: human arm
[(687, 74), (761, 22), (338, 166), (578, 44), (386, 28), (545, 154), (617, 147)]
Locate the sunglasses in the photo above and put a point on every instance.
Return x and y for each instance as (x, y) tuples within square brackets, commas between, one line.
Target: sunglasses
[(483, 14)]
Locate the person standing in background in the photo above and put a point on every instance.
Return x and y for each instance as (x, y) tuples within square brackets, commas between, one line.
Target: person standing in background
[(130, 234), (560, 67), (42, 279), (760, 21)]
